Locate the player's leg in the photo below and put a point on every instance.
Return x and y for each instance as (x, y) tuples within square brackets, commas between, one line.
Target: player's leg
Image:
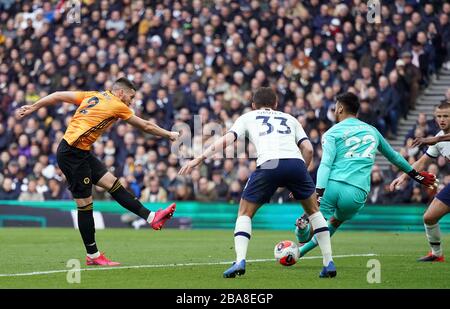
[(243, 228), (304, 233), (340, 204), (349, 203), (321, 234), (73, 164), (303, 230), (434, 213), (106, 180), (242, 235), (300, 183), (259, 189), (333, 225), (86, 225)]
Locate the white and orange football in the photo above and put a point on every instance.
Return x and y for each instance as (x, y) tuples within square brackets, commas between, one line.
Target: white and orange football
[(286, 252)]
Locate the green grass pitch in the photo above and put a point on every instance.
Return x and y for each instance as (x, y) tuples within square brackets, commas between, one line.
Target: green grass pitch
[(40, 250)]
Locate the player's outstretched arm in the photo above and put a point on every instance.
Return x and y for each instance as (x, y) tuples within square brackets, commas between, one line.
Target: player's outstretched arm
[(151, 128), (51, 99), (433, 140), (418, 165), (424, 178), (220, 144)]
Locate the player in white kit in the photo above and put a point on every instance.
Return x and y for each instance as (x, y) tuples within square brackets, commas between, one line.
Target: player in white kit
[(440, 206), (283, 154)]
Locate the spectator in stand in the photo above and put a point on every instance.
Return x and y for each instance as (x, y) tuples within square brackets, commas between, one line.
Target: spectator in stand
[(9, 190), (234, 195), (366, 113), (183, 193), (390, 105), (31, 193), (429, 127), (153, 191), (412, 76), (376, 195), (206, 191), (400, 88), (56, 191), (220, 186), (418, 197)]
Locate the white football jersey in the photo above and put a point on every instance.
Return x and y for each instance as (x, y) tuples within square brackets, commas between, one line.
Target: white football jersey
[(440, 149), (275, 134)]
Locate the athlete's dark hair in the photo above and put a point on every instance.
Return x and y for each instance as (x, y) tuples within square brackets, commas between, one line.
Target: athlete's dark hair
[(444, 104), (350, 102), (125, 83), (265, 97)]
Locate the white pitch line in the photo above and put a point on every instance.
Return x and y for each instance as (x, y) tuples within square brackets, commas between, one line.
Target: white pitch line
[(35, 273)]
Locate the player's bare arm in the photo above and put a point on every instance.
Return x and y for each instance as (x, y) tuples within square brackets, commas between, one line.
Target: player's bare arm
[(152, 128), (418, 165), (307, 150), (433, 140), (219, 144), (51, 99)]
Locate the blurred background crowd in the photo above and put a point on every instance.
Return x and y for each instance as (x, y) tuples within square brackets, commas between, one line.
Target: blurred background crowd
[(203, 59)]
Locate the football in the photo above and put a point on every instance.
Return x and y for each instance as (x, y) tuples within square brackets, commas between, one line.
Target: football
[(286, 252)]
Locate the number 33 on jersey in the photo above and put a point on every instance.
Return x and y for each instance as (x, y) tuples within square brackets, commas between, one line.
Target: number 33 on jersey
[(276, 135)]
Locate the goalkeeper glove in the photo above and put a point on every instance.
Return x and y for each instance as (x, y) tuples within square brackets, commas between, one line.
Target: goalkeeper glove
[(424, 178), (319, 192)]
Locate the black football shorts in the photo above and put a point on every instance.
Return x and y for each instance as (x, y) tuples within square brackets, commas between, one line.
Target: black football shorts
[(81, 168)]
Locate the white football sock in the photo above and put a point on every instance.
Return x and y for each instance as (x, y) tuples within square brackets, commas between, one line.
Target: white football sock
[(93, 256), (322, 235), (151, 216), (242, 234), (434, 238)]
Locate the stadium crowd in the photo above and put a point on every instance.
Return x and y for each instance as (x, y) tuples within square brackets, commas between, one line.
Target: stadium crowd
[(198, 62)]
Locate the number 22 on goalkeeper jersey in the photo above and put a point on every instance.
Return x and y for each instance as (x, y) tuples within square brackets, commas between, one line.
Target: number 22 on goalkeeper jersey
[(349, 150), (275, 134)]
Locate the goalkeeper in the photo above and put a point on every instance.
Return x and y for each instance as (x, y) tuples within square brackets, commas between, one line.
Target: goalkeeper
[(343, 179)]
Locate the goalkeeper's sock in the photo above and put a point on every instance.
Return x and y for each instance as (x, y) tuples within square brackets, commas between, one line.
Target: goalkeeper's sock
[(313, 242), (308, 246), (434, 238), (322, 235), (303, 235), (128, 201), (242, 234), (86, 227)]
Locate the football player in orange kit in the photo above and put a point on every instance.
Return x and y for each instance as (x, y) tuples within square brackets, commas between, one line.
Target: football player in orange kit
[(96, 112)]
